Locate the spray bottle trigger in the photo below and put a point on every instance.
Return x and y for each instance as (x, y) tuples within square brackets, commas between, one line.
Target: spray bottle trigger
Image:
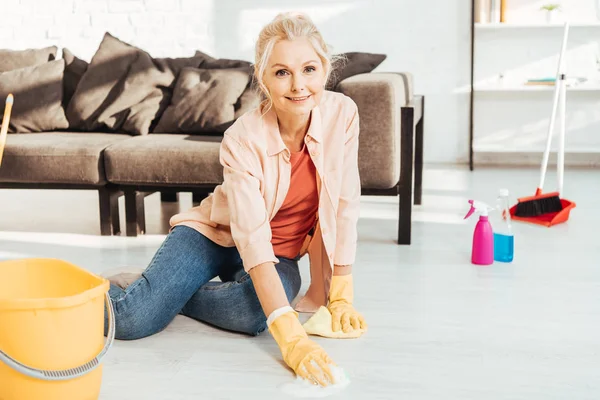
[(471, 211)]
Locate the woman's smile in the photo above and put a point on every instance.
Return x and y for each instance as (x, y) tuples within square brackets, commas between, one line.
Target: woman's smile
[(298, 99)]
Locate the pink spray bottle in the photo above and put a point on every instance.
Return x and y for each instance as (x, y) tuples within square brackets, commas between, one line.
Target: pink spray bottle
[(483, 236)]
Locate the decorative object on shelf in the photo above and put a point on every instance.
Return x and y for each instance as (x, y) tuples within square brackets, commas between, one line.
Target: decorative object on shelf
[(551, 9)]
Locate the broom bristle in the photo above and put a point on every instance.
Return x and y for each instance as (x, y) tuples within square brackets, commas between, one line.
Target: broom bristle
[(537, 207)]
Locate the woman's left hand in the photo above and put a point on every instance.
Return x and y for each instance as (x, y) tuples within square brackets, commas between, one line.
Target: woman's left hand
[(343, 314), (345, 317)]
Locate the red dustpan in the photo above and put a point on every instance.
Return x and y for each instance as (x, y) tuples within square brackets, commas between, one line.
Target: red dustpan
[(548, 219)]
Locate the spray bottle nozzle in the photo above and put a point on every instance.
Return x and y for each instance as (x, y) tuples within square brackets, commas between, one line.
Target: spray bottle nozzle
[(480, 207)]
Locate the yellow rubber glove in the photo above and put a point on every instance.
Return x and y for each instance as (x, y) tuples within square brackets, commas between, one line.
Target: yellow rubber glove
[(305, 357), (343, 315)]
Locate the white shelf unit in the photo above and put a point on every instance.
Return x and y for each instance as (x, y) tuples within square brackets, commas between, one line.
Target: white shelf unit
[(554, 25), (532, 88), (511, 119)]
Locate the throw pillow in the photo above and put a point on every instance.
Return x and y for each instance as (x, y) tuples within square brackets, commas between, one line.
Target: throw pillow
[(74, 70), (250, 98), (38, 95), (124, 88), (204, 101), (16, 59), (223, 63), (205, 56), (353, 63)]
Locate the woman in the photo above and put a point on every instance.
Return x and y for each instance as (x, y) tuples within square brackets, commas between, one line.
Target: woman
[(291, 187)]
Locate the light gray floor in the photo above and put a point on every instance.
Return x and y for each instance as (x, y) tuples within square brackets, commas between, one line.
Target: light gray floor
[(440, 328)]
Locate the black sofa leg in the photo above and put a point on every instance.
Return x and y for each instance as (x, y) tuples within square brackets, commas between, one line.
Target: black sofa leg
[(405, 185), (109, 211), (114, 211), (419, 155), (169, 197), (134, 213), (197, 197)]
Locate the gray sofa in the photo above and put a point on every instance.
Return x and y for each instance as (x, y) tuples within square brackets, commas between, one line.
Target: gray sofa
[(390, 157), (119, 164)]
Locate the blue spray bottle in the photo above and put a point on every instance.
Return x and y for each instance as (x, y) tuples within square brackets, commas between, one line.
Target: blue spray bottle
[(503, 234)]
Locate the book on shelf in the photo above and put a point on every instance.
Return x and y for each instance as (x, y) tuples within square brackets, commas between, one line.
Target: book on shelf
[(541, 82), (550, 81), (490, 11)]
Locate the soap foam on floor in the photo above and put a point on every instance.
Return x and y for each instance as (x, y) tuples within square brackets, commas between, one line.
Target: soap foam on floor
[(302, 388)]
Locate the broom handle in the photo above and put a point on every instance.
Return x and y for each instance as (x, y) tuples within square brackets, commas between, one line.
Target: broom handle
[(561, 137), (5, 123), (560, 75), (549, 138)]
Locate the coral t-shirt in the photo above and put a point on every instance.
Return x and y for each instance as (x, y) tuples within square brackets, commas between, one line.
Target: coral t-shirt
[(298, 213)]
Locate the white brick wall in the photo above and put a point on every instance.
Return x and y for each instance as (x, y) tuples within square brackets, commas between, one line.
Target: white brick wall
[(162, 27), (429, 38)]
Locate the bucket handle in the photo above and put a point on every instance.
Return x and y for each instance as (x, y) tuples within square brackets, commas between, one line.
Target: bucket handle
[(71, 373)]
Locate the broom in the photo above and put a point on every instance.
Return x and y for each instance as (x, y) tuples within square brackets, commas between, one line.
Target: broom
[(5, 122), (548, 203)]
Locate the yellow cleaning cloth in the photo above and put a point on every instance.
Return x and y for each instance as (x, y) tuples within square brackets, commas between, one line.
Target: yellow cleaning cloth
[(320, 325)]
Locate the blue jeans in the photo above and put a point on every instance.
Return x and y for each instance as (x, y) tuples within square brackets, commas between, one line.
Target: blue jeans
[(178, 281)]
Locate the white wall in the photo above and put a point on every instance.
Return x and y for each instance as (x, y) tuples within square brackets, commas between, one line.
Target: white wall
[(429, 38)]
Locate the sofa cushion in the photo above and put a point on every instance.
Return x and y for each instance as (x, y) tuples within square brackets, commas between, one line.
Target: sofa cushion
[(74, 69), (56, 157), (124, 89), (204, 100), (16, 59), (353, 63), (175, 159), (38, 92)]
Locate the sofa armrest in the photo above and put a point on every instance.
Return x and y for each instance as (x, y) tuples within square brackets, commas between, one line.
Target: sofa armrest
[(409, 85), (379, 97)]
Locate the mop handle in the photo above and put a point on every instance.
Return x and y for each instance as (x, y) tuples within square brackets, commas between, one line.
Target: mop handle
[(560, 77), (67, 374)]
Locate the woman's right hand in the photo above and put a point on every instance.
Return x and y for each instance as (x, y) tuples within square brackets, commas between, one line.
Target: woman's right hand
[(303, 355)]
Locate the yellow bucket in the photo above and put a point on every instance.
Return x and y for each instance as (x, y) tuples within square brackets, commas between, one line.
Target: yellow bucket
[(52, 330)]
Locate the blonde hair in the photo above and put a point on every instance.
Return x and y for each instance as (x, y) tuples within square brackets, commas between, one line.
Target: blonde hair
[(288, 26)]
